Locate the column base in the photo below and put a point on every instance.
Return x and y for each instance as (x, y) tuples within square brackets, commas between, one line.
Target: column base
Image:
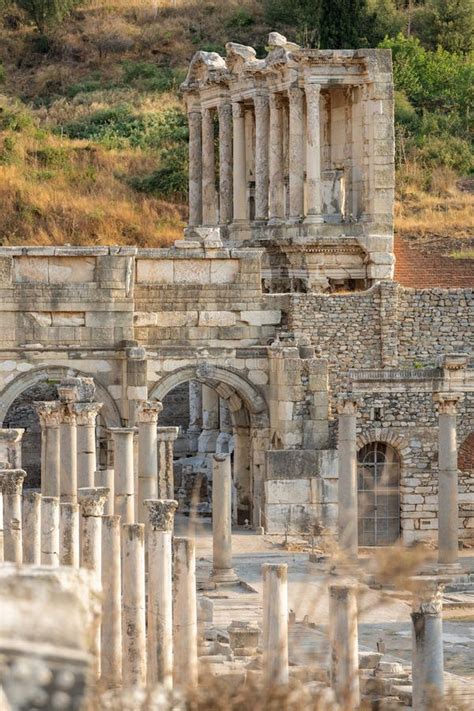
[(224, 576), (276, 221), (295, 220), (449, 569), (313, 220)]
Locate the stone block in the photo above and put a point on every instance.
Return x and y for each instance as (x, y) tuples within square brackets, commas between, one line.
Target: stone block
[(155, 271), (288, 491), (216, 318), (260, 318), (224, 271), (292, 464), (63, 318), (165, 319), (31, 269), (71, 270), (258, 377), (192, 271)]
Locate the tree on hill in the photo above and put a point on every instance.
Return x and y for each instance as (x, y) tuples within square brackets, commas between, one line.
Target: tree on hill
[(45, 13)]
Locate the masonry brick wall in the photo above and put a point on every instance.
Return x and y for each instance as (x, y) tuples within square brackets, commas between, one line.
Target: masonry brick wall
[(422, 269)]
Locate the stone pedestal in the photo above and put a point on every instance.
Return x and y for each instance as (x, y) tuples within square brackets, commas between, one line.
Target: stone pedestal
[(133, 605), (160, 591), (343, 636), (185, 661), (69, 543), (11, 482), (222, 570), (31, 527), (275, 624), (86, 417), (448, 509), (124, 472), (111, 629), (49, 414), (166, 439), (50, 530), (147, 419), (347, 484), (427, 645)]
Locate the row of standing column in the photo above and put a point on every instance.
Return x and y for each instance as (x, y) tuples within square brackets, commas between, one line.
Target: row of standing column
[(229, 204)]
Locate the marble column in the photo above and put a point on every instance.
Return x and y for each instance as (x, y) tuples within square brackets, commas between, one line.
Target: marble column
[(31, 527), (313, 154), (11, 481), (225, 163), (195, 167), (111, 629), (224, 442), (195, 414), (210, 420), (133, 605), (262, 120), (50, 530), (86, 416), (69, 539), (296, 153), (276, 196), (147, 418), (49, 414), (347, 478), (222, 570), (68, 453), (185, 661), (209, 192), (240, 174), (166, 439), (124, 472), (343, 637), (160, 591), (275, 624), (448, 509), (106, 478), (91, 502), (427, 645)]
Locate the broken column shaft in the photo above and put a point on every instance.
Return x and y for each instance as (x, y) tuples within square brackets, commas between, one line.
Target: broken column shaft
[(147, 417), (50, 530), (69, 548), (185, 663), (11, 481), (124, 473), (166, 439), (133, 606), (275, 624), (31, 527), (344, 666), (427, 645), (222, 570), (111, 629)]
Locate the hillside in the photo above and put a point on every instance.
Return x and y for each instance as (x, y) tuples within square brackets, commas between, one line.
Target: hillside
[(93, 133)]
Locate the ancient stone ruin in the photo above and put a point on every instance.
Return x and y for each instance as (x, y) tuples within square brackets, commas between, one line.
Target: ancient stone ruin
[(265, 374)]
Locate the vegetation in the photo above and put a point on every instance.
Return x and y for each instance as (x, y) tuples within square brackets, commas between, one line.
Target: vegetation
[(93, 133)]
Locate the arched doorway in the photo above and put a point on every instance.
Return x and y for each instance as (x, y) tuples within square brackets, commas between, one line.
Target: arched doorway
[(239, 425), (378, 483), (17, 411)]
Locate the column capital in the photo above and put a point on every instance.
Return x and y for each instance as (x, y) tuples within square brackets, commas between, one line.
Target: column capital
[(454, 361), (295, 94), (261, 102), (167, 434), (427, 595), (76, 389), (68, 415), (92, 500), (49, 413), (161, 513), (11, 481), (86, 412), (238, 110), (148, 410), (11, 435), (447, 402), (276, 100), (312, 90), (348, 406)]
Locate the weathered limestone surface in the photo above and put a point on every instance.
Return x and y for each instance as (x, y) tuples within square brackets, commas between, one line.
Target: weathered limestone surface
[(185, 664)]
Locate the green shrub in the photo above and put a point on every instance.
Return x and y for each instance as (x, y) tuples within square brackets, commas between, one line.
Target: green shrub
[(8, 150), (46, 13), (14, 117), (240, 18), (3, 75), (151, 77), (52, 157)]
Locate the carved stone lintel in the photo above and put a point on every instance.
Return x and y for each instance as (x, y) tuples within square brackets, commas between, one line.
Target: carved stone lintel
[(455, 361), (92, 500), (447, 402), (79, 389), (49, 413), (167, 434), (11, 481), (148, 410), (161, 513), (348, 406), (86, 412)]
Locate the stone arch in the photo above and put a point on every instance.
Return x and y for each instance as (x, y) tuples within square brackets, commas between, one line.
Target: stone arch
[(381, 435), (249, 412), (31, 377), (228, 383)]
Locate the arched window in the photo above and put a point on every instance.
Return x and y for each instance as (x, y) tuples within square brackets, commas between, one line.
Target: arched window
[(378, 482)]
